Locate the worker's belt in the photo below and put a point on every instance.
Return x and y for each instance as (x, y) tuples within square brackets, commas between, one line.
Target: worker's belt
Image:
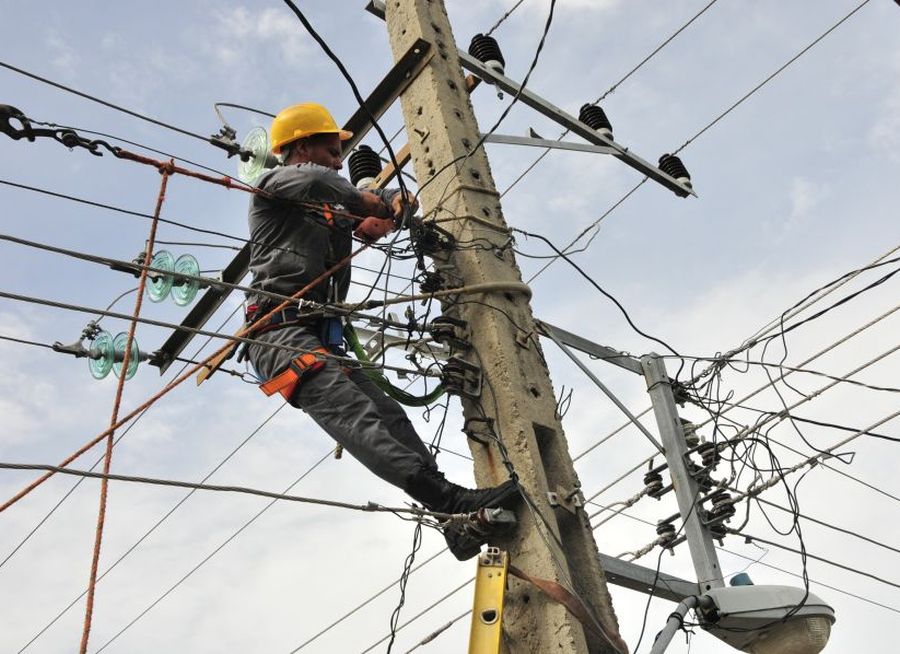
[(290, 315), (302, 367)]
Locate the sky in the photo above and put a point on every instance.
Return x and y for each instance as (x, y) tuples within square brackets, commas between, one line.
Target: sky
[(796, 187)]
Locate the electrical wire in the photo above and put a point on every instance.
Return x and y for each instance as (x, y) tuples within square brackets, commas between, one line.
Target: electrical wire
[(612, 89), (96, 463), (768, 79), (420, 614), (404, 579), (597, 286), (105, 103), (368, 507), (877, 577), (503, 18), (366, 602), (708, 126), (215, 551), (356, 94), (812, 581)]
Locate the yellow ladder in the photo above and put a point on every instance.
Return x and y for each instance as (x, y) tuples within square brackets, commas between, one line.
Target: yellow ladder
[(486, 635)]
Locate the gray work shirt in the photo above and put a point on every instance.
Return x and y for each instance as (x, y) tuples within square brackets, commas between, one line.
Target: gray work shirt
[(293, 245)]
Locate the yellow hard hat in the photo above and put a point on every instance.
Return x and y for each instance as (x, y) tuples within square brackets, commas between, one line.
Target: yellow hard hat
[(302, 120)]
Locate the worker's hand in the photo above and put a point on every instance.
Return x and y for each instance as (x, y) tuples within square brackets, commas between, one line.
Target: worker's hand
[(371, 229), (397, 204)]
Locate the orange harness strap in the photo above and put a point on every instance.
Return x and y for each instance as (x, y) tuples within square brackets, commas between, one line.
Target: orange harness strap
[(286, 382)]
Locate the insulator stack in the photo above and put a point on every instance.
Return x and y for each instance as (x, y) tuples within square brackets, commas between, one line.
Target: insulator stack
[(365, 166), (595, 118), (721, 509), (107, 354), (673, 167), (486, 50), (666, 532), (709, 454), (653, 483), (690, 433), (162, 284)]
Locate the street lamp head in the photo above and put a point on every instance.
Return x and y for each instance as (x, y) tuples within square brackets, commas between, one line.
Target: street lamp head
[(766, 620)]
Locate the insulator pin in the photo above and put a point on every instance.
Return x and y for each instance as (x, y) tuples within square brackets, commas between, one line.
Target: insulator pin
[(653, 483), (486, 50), (595, 118), (365, 166), (673, 167)]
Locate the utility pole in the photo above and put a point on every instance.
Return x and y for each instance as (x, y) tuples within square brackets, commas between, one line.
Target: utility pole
[(688, 491), (551, 542)]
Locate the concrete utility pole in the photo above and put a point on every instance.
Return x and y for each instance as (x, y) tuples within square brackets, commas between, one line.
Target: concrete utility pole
[(554, 543)]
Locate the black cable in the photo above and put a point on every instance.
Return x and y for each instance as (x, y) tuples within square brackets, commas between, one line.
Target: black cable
[(404, 579), (714, 121), (772, 76), (362, 103), (244, 108), (877, 577), (846, 428), (662, 551), (593, 283), (129, 212), (103, 102), (24, 342), (822, 523)]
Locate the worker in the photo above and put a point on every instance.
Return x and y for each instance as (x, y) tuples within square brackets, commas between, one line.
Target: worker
[(292, 245)]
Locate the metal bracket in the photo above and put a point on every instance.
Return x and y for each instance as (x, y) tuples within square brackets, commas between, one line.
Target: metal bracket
[(570, 500), (451, 332), (536, 141), (460, 377)]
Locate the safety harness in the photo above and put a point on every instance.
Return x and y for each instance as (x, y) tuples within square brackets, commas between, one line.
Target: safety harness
[(303, 366), (307, 364)]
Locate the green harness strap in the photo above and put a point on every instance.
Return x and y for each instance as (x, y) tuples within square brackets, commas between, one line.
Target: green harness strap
[(381, 381)]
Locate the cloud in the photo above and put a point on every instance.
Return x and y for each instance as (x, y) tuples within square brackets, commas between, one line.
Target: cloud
[(884, 135), (239, 27), (61, 55)]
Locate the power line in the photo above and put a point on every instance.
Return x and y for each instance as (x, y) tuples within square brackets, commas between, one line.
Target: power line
[(611, 90), (848, 568), (346, 360), (420, 614), (829, 525), (215, 551), (707, 127), (105, 103), (370, 507), (506, 15), (365, 603), (139, 214), (97, 462), (772, 76), (24, 342), (168, 155)]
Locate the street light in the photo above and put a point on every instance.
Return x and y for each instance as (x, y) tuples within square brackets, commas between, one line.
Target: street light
[(757, 619)]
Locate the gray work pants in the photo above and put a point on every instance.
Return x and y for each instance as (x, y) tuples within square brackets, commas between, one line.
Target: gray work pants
[(371, 426)]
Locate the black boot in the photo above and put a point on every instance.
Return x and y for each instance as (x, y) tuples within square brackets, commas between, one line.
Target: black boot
[(432, 489)]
